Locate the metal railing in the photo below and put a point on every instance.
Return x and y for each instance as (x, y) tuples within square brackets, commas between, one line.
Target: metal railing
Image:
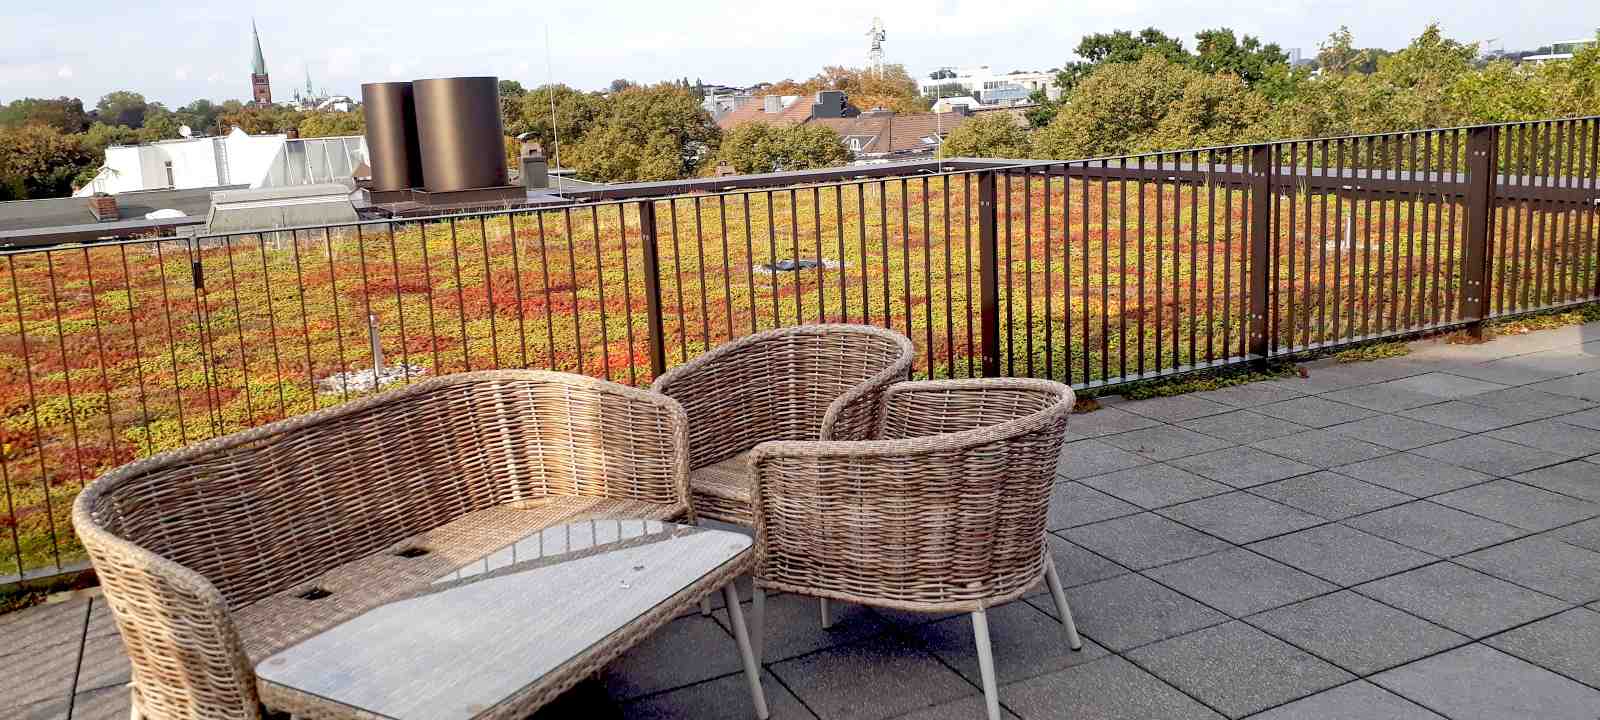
[(1093, 272)]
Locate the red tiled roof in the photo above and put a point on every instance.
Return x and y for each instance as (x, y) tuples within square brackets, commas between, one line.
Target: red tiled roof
[(798, 111), (886, 132)]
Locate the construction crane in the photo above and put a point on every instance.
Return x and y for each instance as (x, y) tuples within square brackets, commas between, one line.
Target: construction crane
[(875, 37)]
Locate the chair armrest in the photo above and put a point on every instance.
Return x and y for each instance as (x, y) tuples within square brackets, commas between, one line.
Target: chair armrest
[(934, 407)]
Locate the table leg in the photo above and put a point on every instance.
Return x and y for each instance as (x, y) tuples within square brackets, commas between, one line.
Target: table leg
[(752, 671)]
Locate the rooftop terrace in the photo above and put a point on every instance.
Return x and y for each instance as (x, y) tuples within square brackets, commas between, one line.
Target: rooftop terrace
[(1416, 537)]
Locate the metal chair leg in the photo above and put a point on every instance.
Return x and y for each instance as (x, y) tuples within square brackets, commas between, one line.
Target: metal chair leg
[(980, 632), (1060, 597), (827, 614), (752, 665)]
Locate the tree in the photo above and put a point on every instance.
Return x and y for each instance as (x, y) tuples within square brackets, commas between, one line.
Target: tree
[(38, 161), (200, 115), (987, 135), (262, 119), (620, 84), (575, 112), (758, 147), (893, 89), (64, 114), (328, 123), (654, 133), (1219, 51), (1338, 55), (1120, 46), (122, 107), (511, 93)]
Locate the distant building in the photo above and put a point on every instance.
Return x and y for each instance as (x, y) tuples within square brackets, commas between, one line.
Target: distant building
[(989, 87), (260, 84), (235, 159), (1562, 50), (789, 108), (312, 99), (951, 104), (887, 135)]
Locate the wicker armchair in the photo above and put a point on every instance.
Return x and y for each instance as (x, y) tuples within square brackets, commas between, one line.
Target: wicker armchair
[(944, 511), (808, 382), (205, 552)]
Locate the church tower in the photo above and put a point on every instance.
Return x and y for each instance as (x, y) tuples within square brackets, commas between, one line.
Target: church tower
[(260, 86)]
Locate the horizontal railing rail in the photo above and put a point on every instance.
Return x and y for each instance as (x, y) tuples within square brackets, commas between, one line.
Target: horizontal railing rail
[(1093, 272)]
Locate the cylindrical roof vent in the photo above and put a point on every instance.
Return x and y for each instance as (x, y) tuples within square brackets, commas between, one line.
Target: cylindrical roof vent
[(395, 158), (459, 130)]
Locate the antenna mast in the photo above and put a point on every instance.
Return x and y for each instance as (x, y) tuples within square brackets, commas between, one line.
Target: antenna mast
[(550, 73), (875, 37)]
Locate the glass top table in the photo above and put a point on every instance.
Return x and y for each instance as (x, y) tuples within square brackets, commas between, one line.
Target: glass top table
[(506, 633)]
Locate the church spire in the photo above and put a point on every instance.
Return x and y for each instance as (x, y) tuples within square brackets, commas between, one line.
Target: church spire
[(258, 64), (260, 84)]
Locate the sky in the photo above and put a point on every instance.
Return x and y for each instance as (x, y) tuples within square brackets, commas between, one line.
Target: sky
[(177, 51)]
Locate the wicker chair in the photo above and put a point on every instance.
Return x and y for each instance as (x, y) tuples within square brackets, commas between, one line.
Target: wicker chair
[(808, 382), (944, 511), (204, 552)]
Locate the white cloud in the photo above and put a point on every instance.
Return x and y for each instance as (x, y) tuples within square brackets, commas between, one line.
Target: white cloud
[(214, 78), (65, 73)]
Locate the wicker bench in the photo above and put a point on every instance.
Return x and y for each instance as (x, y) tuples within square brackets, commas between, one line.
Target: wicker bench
[(215, 556)]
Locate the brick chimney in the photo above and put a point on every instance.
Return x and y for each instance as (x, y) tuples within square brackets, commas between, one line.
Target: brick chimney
[(725, 169), (104, 207), (292, 133)]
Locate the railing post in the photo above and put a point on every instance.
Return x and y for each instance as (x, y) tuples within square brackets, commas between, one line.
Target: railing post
[(652, 287), (1261, 199), (988, 274), (1481, 171)]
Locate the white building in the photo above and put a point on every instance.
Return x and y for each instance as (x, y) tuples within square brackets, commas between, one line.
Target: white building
[(949, 104), (1562, 50), (986, 84), (238, 158)]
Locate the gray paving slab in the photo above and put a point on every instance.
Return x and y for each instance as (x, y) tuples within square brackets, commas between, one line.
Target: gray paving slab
[(1240, 517), (1413, 474), (1093, 457), (1341, 554), (1251, 394), (1078, 566), (1330, 495), (1073, 504), (1434, 529), (654, 664), (1101, 611), (1585, 418), (1109, 689), (1519, 505), (1476, 682), (1464, 600), (1239, 582), (1359, 700), (1529, 402), (1565, 360), (1585, 386), (1444, 385), (972, 706), (1552, 436), (1026, 643), (793, 626), (1382, 398), (1143, 540), (1106, 421), (725, 698), (1542, 563), (1578, 478), (1486, 454), (1176, 408), (1467, 417), (1585, 534), (1242, 426), (1238, 669), (1568, 643), (1507, 371), (1242, 466), (1322, 448), (876, 678), (1154, 486), (1165, 442), (1396, 432), (1356, 633), (1313, 412)]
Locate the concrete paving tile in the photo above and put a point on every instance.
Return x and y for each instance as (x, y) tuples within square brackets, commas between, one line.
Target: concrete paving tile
[(1107, 421), (1486, 454), (1109, 689), (1552, 436), (1077, 566), (1238, 669), (1073, 504), (794, 626), (1176, 408), (1313, 412), (1464, 600), (1251, 394), (1242, 426), (1543, 563), (1101, 611), (1507, 372), (1579, 479), (1529, 402), (1519, 505), (1026, 643), (1480, 683), (1382, 398), (1587, 418), (1395, 432), (1166, 442), (1143, 540), (1585, 386), (964, 709), (1340, 554), (1355, 632), (1466, 417), (1239, 582), (1330, 495), (725, 698), (1240, 517), (1359, 700), (1434, 529), (1093, 457), (1444, 385), (1585, 534), (1153, 486), (654, 665), (872, 679), (1242, 466), (1413, 474), (1568, 643), (1322, 448)]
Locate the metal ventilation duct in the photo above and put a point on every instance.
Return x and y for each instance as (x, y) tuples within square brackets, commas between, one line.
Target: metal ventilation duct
[(460, 133), (395, 157)]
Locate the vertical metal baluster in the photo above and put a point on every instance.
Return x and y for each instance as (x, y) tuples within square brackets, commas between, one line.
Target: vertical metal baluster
[(488, 291), (1049, 317), (600, 285), (927, 277), (549, 307), (700, 262), (677, 280), (572, 282), (627, 285), (516, 278), (33, 406), (1143, 178)]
